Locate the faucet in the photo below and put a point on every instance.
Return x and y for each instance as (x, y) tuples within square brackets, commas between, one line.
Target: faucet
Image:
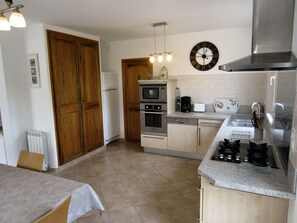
[(256, 107)]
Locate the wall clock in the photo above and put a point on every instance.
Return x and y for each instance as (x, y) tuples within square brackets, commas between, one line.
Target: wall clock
[(204, 56)]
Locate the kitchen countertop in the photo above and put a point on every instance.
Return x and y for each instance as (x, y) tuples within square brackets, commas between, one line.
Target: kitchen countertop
[(243, 177)]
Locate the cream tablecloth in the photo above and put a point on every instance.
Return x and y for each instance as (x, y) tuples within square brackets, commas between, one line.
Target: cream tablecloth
[(26, 195)]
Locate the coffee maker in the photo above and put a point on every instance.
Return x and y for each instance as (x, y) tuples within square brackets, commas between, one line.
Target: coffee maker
[(185, 104)]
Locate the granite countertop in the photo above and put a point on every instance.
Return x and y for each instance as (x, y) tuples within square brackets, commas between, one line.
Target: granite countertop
[(243, 177)]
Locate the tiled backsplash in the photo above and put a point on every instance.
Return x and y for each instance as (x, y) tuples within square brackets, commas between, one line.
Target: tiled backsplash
[(246, 87)]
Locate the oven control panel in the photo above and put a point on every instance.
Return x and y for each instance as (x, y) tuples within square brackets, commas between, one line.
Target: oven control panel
[(163, 93), (153, 107)]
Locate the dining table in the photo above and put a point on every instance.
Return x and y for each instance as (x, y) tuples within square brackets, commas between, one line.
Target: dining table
[(26, 196)]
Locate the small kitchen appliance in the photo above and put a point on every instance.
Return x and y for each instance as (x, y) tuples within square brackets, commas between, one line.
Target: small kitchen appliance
[(185, 104), (153, 118), (153, 92), (199, 107), (236, 152)]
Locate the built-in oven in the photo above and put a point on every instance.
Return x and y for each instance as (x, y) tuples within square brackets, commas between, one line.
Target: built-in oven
[(156, 93), (153, 118)]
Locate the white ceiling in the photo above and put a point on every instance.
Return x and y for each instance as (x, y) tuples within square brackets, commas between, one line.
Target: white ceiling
[(115, 20)]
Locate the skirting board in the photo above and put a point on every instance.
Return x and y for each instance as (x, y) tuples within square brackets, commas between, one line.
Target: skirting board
[(174, 153)]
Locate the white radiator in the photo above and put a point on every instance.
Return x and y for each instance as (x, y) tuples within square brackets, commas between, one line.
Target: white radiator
[(37, 143)]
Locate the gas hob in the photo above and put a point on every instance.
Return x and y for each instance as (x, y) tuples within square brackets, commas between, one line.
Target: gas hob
[(238, 152)]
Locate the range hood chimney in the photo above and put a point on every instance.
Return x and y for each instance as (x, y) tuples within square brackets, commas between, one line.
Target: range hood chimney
[(271, 38)]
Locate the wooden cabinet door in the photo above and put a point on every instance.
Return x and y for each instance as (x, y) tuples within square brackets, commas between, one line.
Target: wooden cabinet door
[(231, 206), (182, 137), (133, 70), (90, 95), (66, 95), (207, 130)]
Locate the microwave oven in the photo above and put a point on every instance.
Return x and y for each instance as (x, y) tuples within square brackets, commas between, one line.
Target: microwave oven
[(153, 93)]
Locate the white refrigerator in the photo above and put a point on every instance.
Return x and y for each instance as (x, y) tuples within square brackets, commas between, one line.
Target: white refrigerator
[(110, 99)]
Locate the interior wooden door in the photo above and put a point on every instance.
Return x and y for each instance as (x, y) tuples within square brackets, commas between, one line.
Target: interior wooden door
[(66, 94), (133, 70), (90, 95)]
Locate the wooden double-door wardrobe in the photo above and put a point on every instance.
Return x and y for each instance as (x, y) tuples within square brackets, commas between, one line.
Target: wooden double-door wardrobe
[(75, 80)]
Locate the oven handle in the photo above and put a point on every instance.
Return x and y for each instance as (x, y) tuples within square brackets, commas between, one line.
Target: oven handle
[(156, 113)]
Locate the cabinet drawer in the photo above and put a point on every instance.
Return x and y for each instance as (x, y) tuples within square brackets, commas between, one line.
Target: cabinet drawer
[(210, 122), (151, 141), (182, 121)]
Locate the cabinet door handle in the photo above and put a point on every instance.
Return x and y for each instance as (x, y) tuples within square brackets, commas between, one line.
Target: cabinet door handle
[(200, 218), (198, 136)]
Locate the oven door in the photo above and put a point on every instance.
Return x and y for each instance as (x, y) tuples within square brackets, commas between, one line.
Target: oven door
[(154, 123)]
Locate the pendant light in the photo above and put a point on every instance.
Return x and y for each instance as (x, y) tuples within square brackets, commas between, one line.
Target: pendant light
[(16, 18), (4, 24), (159, 55)]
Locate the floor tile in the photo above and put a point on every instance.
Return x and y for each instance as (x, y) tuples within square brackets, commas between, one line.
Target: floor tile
[(185, 186), (137, 187), (175, 204), (124, 215), (150, 211)]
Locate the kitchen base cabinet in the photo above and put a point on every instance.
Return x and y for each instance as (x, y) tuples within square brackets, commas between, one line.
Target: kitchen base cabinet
[(231, 206), (151, 141), (182, 135), (207, 131)]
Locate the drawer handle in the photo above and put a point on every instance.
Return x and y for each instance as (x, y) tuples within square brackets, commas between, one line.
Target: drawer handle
[(153, 137)]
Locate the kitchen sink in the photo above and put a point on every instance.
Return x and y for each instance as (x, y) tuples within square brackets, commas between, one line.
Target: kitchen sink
[(240, 120)]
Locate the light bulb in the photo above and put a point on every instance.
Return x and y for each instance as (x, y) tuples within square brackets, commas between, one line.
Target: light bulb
[(169, 57), (4, 24), (160, 58), (17, 19), (152, 59)]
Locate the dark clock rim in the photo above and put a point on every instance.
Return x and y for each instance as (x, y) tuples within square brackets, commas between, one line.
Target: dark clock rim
[(212, 63)]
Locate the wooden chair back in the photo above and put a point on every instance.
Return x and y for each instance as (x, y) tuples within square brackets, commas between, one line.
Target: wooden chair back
[(31, 161), (57, 215)]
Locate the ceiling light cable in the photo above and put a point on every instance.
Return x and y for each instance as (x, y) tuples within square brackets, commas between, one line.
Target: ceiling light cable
[(159, 55)]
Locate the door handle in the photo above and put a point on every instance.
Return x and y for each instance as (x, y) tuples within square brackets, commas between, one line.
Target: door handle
[(155, 113), (198, 136), (200, 218)]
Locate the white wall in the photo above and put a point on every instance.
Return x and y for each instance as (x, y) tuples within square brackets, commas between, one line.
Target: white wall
[(41, 103), (16, 111), (231, 43), (41, 98)]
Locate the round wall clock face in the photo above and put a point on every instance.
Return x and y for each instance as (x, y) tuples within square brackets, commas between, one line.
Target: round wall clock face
[(204, 56)]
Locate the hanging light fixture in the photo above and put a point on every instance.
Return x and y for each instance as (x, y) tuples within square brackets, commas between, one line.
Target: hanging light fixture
[(16, 18), (159, 55)]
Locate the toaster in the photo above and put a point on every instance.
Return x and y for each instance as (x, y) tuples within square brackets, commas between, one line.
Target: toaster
[(199, 107)]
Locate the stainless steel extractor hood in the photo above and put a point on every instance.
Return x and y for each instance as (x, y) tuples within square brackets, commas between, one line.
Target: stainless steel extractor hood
[(271, 38)]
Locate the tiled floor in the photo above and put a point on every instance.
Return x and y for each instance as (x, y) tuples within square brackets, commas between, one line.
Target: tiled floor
[(139, 187)]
